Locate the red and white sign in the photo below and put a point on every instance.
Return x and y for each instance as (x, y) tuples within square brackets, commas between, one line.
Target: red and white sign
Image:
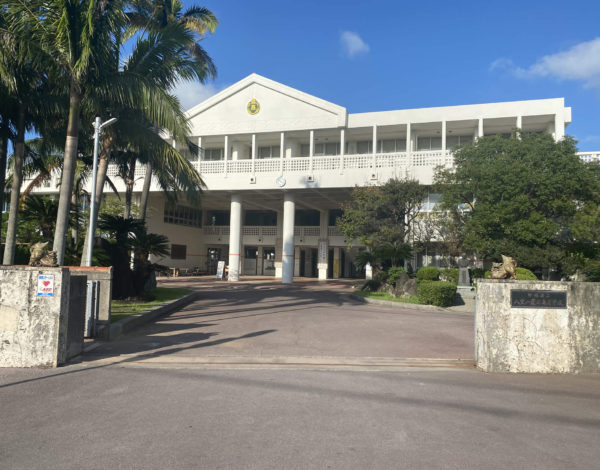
[(45, 285)]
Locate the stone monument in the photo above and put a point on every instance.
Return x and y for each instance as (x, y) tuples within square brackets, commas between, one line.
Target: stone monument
[(464, 279)]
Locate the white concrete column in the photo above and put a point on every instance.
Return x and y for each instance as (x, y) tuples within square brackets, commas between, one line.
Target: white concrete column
[(281, 151), (519, 123), (342, 148), (408, 145), (480, 128), (374, 149), (279, 246), (311, 150), (259, 261), (225, 153), (559, 126), (287, 256), (322, 256), (444, 137), (200, 148), (235, 237), (253, 153)]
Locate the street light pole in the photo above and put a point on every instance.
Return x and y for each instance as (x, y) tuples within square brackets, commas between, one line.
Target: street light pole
[(98, 126)]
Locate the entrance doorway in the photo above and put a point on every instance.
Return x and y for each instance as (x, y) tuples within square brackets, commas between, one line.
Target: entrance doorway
[(268, 261), (250, 260), (308, 262), (213, 255)]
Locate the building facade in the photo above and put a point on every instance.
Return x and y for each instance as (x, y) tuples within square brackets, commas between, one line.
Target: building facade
[(278, 163)]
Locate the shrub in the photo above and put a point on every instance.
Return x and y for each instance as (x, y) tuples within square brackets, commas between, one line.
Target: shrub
[(371, 286), (22, 254), (450, 275), (393, 274), (524, 274), (477, 273), (592, 271), (381, 277), (439, 293), (428, 273)]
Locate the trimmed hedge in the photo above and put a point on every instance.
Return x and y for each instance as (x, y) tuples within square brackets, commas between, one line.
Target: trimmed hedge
[(439, 293), (428, 273), (393, 274), (450, 275), (477, 273)]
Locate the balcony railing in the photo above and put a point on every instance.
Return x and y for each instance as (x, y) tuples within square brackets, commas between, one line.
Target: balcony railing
[(431, 158)]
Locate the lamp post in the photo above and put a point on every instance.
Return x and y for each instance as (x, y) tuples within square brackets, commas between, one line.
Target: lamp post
[(98, 126)]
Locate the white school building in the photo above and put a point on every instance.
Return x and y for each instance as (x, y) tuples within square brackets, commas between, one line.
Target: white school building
[(278, 163)]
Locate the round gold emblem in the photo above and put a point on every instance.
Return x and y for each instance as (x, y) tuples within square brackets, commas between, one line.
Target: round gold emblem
[(253, 107)]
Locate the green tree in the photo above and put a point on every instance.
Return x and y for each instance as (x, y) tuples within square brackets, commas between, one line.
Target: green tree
[(519, 197), (382, 217)]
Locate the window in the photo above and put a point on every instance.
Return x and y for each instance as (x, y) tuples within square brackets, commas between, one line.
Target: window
[(272, 151), (212, 154), (260, 218), (456, 140), (364, 146), (429, 143), (334, 214), (307, 218), (183, 215), (178, 251), (391, 145), (332, 148), (218, 218)]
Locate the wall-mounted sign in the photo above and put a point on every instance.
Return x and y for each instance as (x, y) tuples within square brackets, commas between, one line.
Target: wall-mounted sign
[(253, 107), (523, 298), (45, 285)]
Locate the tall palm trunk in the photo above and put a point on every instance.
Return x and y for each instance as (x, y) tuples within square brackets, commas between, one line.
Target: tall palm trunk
[(103, 159), (129, 182), (68, 174), (145, 191), (75, 227), (3, 155), (11, 230)]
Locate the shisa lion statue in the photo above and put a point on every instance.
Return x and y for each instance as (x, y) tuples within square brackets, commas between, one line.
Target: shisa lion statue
[(40, 256), (506, 269)]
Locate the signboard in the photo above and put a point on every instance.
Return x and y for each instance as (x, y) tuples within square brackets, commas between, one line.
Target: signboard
[(45, 285), (220, 269), (522, 298), (323, 251)]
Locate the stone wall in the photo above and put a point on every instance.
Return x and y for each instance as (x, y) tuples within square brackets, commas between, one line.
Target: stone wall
[(33, 328), (540, 339)]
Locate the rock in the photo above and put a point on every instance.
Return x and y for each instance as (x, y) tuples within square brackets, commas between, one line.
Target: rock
[(410, 287), (403, 279)]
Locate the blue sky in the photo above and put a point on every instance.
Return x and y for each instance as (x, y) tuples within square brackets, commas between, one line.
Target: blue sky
[(381, 55)]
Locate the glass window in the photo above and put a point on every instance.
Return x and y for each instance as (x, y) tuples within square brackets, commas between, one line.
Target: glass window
[(212, 154), (436, 143), (304, 150), (218, 218), (182, 215), (178, 251), (319, 149), (364, 146), (332, 149)]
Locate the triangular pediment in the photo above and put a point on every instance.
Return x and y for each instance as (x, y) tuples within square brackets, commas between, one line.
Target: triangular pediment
[(257, 104)]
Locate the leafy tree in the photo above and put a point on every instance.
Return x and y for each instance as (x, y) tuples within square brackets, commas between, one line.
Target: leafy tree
[(520, 197), (382, 217)]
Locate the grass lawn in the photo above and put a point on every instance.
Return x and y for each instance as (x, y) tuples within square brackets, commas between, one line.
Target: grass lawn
[(123, 308), (385, 296)]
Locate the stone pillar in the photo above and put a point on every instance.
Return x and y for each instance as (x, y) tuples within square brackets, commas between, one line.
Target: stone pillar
[(296, 261), (259, 261), (336, 262), (289, 207), (235, 237)]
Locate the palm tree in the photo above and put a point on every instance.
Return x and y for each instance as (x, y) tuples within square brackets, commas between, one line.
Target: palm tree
[(76, 37)]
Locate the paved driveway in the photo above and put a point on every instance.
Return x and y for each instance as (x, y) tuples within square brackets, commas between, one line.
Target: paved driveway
[(307, 322)]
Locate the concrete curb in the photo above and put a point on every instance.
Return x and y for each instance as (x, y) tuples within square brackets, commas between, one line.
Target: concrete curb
[(406, 305), (133, 321)]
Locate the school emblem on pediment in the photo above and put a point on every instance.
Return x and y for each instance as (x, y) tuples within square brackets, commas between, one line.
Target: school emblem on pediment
[(253, 107)]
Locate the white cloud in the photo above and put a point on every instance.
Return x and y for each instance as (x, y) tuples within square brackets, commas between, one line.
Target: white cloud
[(352, 44), (581, 63), (192, 93)]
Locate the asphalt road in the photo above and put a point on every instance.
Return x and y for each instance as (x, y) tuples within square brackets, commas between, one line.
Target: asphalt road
[(271, 320), (264, 376), (128, 417)]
